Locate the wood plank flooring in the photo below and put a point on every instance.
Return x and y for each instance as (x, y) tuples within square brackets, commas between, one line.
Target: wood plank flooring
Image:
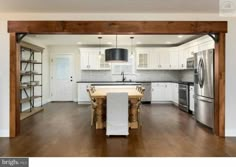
[(63, 129)]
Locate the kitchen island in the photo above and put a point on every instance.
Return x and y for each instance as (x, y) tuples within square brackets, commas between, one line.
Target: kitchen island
[(100, 95)]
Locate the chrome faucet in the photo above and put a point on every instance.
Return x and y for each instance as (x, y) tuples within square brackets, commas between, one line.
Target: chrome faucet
[(123, 76)]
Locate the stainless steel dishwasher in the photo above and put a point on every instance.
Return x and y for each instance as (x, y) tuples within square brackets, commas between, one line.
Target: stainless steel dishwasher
[(147, 93)]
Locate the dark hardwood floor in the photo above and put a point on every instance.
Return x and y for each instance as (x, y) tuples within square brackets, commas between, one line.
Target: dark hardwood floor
[(63, 129)]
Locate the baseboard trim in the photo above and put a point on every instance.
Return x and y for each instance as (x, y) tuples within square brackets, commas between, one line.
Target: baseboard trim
[(161, 102), (83, 102), (230, 133), (4, 133)]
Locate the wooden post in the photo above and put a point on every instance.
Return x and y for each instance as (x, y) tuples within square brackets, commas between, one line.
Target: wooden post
[(14, 86), (219, 126)]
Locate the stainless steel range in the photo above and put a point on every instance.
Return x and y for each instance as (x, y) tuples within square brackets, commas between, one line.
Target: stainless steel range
[(184, 96)]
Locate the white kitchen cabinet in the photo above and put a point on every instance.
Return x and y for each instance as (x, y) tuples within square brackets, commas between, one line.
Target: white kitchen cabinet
[(163, 58), (206, 45), (161, 92), (152, 59), (83, 96), (91, 60), (175, 93), (174, 58), (182, 59), (191, 98), (186, 52), (103, 65), (143, 58)]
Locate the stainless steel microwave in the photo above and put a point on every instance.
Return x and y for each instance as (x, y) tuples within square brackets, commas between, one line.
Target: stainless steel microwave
[(190, 63)]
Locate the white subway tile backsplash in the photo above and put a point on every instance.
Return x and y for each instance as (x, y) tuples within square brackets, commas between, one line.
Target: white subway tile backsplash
[(149, 75)]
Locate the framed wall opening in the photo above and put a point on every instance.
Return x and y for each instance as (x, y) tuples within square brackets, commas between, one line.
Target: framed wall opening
[(18, 29)]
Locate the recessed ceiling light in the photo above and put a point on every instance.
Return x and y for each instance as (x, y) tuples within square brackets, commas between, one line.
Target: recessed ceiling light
[(139, 42), (109, 43), (79, 43), (180, 36)]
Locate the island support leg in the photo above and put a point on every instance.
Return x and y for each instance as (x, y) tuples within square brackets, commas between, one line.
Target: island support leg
[(99, 114), (133, 114)]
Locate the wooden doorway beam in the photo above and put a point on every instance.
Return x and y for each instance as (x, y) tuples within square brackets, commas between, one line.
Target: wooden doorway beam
[(14, 86), (119, 27), (219, 60)]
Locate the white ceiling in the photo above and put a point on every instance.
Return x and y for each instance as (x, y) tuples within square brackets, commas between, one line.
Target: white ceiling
[(110, 6), (107, 39)]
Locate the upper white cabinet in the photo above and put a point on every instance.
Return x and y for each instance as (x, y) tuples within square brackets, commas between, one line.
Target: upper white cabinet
[(163, 58), (152, 58), (146, 58), (206, 45), (174, 58), (91, 60)]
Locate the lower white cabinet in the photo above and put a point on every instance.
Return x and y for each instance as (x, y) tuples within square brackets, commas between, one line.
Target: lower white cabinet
[(175, 93), (191, 98), (165, 92), (83, 96), (161, 92)]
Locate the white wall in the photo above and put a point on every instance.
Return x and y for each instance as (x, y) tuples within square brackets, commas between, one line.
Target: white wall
[(4, 80), (230, 54)]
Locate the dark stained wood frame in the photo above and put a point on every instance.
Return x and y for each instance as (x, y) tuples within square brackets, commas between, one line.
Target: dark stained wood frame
[(118, 27)]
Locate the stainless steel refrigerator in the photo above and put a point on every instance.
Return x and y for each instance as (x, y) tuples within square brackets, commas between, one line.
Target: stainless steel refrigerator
[(204, 87)]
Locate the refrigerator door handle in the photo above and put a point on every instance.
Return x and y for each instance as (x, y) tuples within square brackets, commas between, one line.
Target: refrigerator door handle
[(200, 72), (203, 74), (204, 99)]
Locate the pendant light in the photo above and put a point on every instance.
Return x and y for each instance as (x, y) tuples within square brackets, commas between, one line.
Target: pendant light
[(131, 46), (117, 55), (100, 53)]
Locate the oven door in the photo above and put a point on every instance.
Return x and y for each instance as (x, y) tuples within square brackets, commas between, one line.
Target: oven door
[(183, 97)]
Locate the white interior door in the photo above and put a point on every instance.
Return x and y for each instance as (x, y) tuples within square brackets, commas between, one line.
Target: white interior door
[(62, 78)]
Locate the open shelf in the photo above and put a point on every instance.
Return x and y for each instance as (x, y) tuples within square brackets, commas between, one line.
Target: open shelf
[(29, 98), (30, 112), (29, 61), (28, 87), (28, 74), (31, 76)]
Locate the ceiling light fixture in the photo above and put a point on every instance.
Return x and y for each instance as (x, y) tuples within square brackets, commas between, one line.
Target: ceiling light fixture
[(131, 46), (117, 55), (100, 53)]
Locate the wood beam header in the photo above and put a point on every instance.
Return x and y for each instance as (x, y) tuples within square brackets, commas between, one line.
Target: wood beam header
[(117, 27)]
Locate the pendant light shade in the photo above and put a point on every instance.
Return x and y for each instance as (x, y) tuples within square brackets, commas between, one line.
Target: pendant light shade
[(116, 54)]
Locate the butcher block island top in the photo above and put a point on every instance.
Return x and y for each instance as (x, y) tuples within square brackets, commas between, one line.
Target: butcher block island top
[(101, 91), (100, 94)]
